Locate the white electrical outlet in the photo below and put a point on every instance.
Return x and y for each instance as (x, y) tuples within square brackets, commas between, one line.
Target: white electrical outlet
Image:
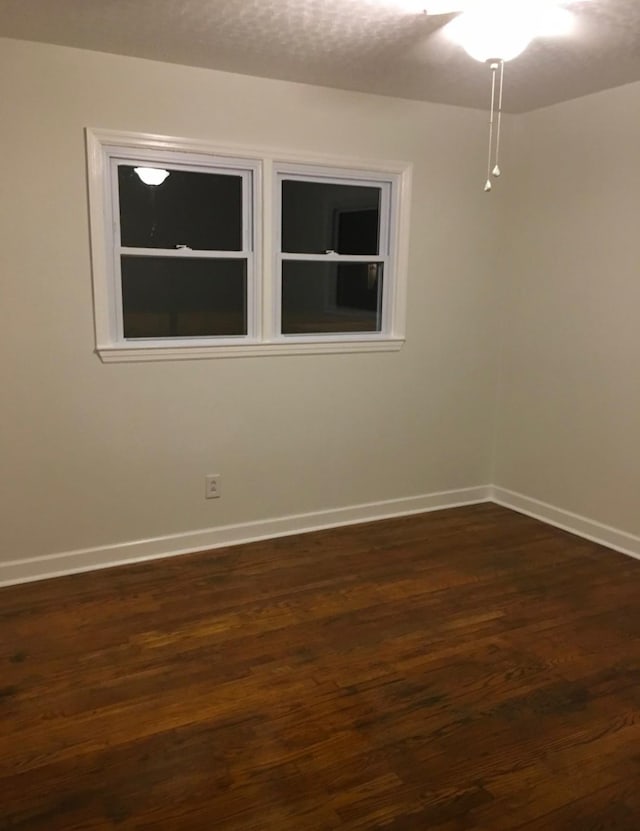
[(212, 486)]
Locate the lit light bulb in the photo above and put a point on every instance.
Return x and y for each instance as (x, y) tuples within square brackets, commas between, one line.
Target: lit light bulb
[(502, 29), (151, 175), (490, 36)]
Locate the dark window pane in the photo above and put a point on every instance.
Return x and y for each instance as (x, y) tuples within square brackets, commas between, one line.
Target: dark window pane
[(331, 297), (163, 297), (318, 217), (200, 210)]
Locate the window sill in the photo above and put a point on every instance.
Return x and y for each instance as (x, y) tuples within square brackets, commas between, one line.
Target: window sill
[(130, 353)]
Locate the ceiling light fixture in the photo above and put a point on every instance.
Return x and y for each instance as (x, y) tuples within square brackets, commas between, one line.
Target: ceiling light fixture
[(497, 31), (151, 175)]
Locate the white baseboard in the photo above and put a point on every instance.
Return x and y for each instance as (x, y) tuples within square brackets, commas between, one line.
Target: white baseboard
[(568, 521), (89, 559)]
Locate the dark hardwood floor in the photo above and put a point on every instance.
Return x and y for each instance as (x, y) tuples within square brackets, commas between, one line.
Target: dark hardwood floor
[(467, 669)]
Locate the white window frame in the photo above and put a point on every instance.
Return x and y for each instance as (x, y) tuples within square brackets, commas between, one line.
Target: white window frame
[(261, 171), (386, 244)]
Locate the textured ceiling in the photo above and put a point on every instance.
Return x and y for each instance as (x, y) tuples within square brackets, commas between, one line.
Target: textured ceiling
[(370, 45)]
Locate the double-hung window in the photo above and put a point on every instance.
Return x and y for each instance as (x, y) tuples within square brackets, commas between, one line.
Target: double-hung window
[(334, 245), (183, 251), (194, 257)]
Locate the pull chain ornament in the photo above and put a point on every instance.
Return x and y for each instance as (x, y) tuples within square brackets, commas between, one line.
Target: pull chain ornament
[(495, 119)]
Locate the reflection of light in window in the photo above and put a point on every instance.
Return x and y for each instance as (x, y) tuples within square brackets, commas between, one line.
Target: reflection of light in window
[(151, 175)]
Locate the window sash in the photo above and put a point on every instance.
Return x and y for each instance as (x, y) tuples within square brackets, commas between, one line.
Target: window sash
[(385, 317), (214, 339), (172, 302), (352, 178)]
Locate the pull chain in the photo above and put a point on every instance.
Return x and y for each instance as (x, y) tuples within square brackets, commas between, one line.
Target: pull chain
[(487, 184), (496, 170), (495, 120)]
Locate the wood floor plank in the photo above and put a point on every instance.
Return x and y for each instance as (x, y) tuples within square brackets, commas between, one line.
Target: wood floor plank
[(463, 670)]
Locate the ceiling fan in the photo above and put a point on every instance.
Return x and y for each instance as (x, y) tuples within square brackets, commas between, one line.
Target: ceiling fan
[(496, 31)]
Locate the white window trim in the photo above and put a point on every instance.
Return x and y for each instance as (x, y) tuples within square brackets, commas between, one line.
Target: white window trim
[(265, 165), (387, 245)]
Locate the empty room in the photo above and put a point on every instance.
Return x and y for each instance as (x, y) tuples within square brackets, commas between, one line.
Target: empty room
[(320, 423)]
